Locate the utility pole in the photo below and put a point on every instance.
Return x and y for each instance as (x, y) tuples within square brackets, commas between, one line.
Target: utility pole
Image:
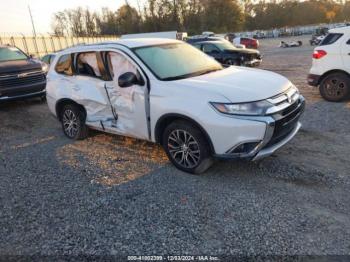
[(31, 18)]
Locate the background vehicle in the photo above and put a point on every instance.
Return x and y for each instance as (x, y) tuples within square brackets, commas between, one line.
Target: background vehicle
[(319, 35), (169, 35), (248, 42), (184, 100), (331, 65), (20, 75), (225, 53), (285, 44)]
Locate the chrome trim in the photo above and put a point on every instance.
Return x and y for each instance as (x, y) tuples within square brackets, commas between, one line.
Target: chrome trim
[(270, 150), (284, 100), (23, 96), (24, 74)]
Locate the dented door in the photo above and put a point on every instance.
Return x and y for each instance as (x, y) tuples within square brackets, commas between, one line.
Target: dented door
[(128, 103)]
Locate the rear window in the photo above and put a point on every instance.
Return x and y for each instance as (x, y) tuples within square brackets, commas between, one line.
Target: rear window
[(64, 65), (331, 39)]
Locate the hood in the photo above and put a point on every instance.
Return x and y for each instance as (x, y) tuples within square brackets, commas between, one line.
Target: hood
[(240, 84), (243, 51), (9, 67)]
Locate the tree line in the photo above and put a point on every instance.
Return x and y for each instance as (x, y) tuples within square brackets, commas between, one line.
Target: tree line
[(196, 16)]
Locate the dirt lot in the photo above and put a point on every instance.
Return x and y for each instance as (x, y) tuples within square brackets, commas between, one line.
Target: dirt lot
[(108, 195)]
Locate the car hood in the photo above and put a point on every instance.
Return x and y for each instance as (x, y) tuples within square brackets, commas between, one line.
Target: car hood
[(9, 67), (243, 51), (240, 84)]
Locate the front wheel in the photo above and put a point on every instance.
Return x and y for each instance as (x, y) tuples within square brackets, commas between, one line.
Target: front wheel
[(335, 87), (186, 147), (73, 122)]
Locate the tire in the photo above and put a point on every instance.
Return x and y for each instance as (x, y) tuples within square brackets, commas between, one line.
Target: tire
[(335, 87), (197, 157), (73, 122)]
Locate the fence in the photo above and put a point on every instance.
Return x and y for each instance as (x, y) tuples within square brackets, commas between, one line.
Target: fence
[(42, 45)]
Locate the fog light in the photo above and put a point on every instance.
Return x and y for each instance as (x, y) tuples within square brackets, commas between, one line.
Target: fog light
[(245, 148)]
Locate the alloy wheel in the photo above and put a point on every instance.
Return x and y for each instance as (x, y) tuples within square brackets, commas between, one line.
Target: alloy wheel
[(70, 123), (184, 148)]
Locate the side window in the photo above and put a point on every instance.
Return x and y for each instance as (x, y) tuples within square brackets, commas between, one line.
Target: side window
[(118, 64), (348, 42), (331, 39), (197, 46), (87, 65), (64, 65), (208, 48)]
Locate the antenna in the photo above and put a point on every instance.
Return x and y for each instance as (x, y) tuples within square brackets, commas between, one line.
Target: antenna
[(31, 18)]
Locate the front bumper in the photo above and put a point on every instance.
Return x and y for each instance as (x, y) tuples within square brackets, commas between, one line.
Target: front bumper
[(280, 129), (313, 80), (253, 63)]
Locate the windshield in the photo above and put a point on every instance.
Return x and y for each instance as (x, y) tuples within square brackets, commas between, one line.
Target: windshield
[(11, 54), (176, 61)]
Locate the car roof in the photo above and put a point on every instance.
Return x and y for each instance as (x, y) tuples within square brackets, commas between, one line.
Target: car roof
[(343, 30), (129, 43), (207, 42)]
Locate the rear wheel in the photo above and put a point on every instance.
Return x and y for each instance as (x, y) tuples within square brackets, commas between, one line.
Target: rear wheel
[(335, 87), (186, 147), (73, 122)]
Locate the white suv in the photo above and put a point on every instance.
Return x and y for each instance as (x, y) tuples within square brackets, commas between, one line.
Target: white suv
[(331, 65), (168, 92)]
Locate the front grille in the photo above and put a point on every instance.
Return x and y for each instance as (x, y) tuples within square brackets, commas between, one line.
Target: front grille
[(286, 121), (15, 81)]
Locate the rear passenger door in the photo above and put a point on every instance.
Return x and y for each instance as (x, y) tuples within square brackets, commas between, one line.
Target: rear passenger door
[(89, 88)]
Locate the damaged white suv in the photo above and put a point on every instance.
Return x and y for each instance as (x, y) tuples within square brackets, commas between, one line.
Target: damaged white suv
[(168, 92)]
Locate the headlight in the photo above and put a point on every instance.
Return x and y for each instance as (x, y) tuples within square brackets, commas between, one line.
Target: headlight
[(252, 108), (44, 67)]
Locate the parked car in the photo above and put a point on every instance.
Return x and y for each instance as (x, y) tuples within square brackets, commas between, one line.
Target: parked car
[(285, 44), (21, 76), (169, 92), (201, 38), (225, 53), (47, 59), (331, 65), (318, 36), (247, 41)]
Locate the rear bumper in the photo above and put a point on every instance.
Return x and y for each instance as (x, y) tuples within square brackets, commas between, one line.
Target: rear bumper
[(313, 80)]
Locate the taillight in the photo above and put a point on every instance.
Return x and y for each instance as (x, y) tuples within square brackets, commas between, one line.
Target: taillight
[(318, 54)]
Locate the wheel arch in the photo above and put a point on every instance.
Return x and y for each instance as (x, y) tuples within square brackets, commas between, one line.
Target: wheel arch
[(166, 119), (333, 71), (65, 101)]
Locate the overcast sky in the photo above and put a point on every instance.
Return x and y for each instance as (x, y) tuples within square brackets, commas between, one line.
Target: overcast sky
[(14, 15)]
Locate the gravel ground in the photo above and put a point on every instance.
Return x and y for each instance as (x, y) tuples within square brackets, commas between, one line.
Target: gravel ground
[(109, 195)]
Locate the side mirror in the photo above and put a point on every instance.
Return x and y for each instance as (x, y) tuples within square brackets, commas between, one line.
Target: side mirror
[(31, 56), (129, 79)]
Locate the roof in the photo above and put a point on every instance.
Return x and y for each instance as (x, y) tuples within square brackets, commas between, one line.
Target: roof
[(344, 30), (130, 43)]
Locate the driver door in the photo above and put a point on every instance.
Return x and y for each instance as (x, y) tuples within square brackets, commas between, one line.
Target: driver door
[(128, 103)]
